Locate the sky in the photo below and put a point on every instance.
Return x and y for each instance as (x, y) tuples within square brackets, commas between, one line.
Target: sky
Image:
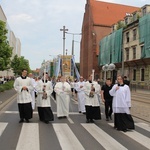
[(37, 24)]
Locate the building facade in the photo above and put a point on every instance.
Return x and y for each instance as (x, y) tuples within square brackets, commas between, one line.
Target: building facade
[(13, 42), (134, 48), (97, 22)]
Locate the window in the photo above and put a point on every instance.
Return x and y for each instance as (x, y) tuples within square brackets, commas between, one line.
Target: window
[(142, 74), (134, 52), (134, 74), (134, 34), (127, 54), (127, 36)]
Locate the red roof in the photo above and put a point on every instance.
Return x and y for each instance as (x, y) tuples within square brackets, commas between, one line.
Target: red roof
[(105, 13)]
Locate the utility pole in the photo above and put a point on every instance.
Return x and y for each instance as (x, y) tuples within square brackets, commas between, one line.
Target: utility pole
[(64, 31)]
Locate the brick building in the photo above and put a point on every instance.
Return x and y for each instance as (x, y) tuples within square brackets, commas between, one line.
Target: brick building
[(97, 22)]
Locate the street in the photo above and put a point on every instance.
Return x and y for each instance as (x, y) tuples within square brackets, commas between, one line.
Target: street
[(68, 134)]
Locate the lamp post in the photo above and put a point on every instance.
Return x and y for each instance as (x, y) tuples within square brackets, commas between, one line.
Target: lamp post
[(106, 68), (73, 34)]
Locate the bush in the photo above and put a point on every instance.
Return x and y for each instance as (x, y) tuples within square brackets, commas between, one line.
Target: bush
[(7, 86)]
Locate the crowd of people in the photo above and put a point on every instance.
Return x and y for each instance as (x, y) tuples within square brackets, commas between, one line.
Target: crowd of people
[(89, 93)]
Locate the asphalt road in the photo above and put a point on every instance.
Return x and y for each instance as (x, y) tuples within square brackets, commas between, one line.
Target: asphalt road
[(68, 134)]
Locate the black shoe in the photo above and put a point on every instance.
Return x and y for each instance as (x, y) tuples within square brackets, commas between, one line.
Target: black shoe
[(47, 122), (87, 121), (79, 111), (84, 113), (27, 121), (91, 120), (21, 120)]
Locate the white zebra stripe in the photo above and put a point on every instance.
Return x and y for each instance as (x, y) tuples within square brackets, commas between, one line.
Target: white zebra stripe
[(2, 127), (66, 137), (103, 138), (143, 140), (143, 126), (29, 137)]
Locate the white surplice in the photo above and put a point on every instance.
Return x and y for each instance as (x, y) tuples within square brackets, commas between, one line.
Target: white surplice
[(121, 99), (81, 96), (39, 88), (33, 93), (63, 91), (23, 96), (87, 89)]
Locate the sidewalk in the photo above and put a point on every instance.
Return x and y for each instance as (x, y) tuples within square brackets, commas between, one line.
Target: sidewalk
[(6, 96)]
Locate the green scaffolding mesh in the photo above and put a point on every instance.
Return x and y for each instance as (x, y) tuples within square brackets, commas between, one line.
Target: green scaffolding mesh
[(110, 48), (144, 35)]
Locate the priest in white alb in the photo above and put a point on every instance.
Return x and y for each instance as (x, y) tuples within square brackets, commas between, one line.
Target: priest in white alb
[(81, 95), (63, 92)]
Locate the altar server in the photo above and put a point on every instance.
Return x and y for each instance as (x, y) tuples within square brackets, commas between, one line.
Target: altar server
[(92, 105), (23, 86), (121, 105), (44, 89)]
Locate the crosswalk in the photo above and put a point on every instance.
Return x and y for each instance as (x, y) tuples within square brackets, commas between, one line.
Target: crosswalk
[(29, 136)]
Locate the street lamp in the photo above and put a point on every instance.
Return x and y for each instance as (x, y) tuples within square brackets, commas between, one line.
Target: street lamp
[(106, 68), (73, 34)]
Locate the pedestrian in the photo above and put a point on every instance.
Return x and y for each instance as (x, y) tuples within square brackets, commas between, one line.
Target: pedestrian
[(91, 100), (53, 84), (107, 98), (127, 82), (72, 86), (44, 89), (121, 106), (81, 95), (33, 91), (63, 91), (23, 86)]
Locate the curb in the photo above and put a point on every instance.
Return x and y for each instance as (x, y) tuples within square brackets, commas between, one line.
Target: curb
[(2, 105)]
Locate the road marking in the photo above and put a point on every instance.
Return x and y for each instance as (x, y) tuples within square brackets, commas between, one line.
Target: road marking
[(143, 140), (70, 120), (2, 127), (35, 112), (103, 138), (66, 137), (29, 137), (143, 126)]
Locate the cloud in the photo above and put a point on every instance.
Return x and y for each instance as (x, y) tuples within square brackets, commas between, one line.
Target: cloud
[(21, 18)]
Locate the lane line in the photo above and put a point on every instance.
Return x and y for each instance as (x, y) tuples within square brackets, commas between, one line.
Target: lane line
[(138, 137), (66, 137), (143, 126), (103, 138), (2, 127), (29, 137), (35, 112)]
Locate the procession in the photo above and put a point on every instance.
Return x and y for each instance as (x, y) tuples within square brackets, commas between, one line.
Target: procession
[(35, 95)]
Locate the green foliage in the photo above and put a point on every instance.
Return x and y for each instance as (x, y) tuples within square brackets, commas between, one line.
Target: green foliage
[(7, 86), (19, 63), (120, 25), (5, 49)]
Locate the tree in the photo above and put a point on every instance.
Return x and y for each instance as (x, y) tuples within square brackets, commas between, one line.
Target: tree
[(5, 49), (19, 63)]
